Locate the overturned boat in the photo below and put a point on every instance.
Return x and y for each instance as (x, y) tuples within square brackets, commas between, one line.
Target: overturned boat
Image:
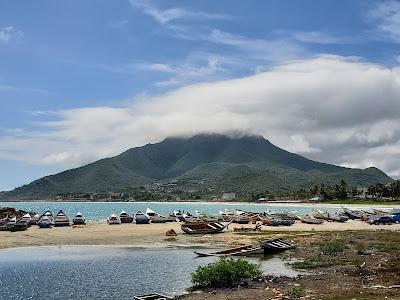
[(268, 221), (125, 217), (79, 219), (203, 227), (157, 218), (141, 218), (310, 220)]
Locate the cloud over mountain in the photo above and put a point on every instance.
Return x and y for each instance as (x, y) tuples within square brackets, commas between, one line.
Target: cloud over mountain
[(330, 108)]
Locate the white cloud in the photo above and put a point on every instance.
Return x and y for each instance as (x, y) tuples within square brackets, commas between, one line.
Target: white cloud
[(333, 109), (387, 16), (165, 16), (9, 34), (318, 37)]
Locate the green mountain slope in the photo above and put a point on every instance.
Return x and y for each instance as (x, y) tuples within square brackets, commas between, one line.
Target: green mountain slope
[(248, 163)]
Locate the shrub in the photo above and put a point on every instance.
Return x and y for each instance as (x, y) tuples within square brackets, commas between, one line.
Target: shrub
[(226, 272), (333, 248), (296, 292)]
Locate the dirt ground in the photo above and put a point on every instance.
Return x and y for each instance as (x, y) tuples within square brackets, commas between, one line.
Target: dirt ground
[(340, 265)]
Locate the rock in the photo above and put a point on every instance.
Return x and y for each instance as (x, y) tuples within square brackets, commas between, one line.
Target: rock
[(171, 232)]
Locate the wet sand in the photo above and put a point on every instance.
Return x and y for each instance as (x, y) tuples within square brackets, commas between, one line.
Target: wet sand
[(153, 235)]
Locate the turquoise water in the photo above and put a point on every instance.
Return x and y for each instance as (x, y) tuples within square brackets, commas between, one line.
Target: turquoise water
[(96, 272), (99, 211)]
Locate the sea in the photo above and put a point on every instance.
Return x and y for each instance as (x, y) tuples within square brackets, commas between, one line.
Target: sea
[(104, 272), (98, 212)]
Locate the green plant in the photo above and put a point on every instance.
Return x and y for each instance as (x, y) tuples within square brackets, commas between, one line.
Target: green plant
[(333, 247), (296, 292), (225, 272)]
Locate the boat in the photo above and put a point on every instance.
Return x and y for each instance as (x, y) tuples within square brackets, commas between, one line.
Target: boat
[(352, 214), (226, 213), (242, 250), (113, 220), (157, 218), (61, 219), (203, 227), (180, 216), (141, 218), (153, 296), (125, 217), (275, 222), (79, 219), (310, 220), (45, 222), (276, 245), (266, 247), (47, 214), (34, 219), (25, 219)]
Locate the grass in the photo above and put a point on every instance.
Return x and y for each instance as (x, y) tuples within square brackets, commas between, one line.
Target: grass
[(296, 292), (333, 248)]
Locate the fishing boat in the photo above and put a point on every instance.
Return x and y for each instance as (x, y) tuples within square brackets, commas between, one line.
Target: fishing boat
[(352, 214), (157, 218), (180, 216), (113, 220), (79, 219), (153, 296), (276, 245), (275, 222), (47, 214), (203, 227), (141, 218), (125, 217), (25, 219), (61, 219), (310, 220), (266, 247), (34, 219), (227, 213), (45, 222), (18, 224)]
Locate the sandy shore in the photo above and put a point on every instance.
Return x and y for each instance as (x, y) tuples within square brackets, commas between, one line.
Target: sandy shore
[(153, 235)]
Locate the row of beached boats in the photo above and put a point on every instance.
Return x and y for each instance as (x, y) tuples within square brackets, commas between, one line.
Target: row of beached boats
[(45, 220)]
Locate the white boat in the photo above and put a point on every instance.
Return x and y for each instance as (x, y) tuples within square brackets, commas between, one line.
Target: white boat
[(113, 220), (226, 213), (151, 213), (34, 219), (25, 219), (79, 219)]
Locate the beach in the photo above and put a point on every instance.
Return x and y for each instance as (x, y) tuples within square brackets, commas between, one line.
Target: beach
[(153, 235)]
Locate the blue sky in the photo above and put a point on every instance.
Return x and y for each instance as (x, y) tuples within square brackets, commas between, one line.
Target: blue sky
[(63, 59)]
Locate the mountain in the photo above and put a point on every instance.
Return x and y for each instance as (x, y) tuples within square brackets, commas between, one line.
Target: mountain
[(218, 162)]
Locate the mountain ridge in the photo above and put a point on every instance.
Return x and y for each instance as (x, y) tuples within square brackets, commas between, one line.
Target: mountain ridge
[(241, 164)]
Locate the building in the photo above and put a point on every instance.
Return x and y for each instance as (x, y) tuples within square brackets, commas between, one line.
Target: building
[(228, 196)]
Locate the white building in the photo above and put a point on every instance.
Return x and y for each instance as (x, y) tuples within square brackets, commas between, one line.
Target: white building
[(228, 196)]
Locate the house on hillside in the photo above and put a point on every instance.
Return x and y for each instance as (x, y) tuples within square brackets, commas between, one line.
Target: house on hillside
[(228, 196)]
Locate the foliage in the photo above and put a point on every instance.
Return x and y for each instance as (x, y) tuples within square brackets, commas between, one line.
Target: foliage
[(225, 272), (379, 190), (333, 247), (296, 292)]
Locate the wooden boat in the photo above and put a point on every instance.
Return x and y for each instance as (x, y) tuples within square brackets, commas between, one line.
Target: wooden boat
[(157, 218), (25, 219), (310, 220), (61, 219), (141, 218), (45, 222), (79, 219), (266, 247), (203, 227), (276, 245), (352, 214), (153, 296), (180, 216), (227, 213), (238, 251), (125, 217), (47, 214), (113, 220), (34, 219), (275, 222)]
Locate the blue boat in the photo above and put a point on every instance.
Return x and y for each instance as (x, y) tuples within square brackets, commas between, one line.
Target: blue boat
[(141, 218), (45, 222)]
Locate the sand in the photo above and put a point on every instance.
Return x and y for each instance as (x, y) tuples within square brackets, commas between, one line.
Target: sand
[(153, 235)]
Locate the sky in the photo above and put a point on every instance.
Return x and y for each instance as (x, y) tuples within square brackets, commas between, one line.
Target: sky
[(84, 80)]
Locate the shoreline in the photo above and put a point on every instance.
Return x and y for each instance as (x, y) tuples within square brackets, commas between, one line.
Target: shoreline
[(290, 204), (153, 235)]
